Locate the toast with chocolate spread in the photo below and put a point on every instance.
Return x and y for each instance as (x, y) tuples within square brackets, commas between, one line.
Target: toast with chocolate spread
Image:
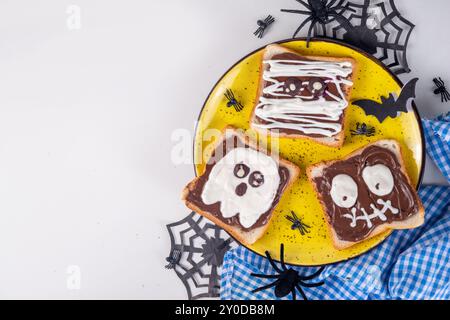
[(241, 186), (303, 96), (366, 193)]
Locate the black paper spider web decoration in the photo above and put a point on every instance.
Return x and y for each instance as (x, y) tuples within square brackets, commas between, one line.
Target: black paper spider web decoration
[(375, 26), (378, 28), (196, 255)]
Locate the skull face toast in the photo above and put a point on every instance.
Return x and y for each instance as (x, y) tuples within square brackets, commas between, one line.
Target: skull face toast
[(241, 186), (366, 193), (303, 96)]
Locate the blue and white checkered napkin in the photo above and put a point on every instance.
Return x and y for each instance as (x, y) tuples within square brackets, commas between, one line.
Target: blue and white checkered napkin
[(410, 264)]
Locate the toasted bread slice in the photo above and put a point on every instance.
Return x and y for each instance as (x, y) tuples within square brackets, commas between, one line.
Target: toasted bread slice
[(413, 220), (191, 194), (335, 140)]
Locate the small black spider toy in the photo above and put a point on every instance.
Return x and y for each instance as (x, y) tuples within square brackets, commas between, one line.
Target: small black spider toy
[(297, 223), (363, 130), (441, 89), (232, 102), (173, 259), (320, 12), (262, 26), (287, 280)]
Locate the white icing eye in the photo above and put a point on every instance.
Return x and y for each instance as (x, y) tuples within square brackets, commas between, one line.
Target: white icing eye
[(344, 191), (317, 85), (378, 179)]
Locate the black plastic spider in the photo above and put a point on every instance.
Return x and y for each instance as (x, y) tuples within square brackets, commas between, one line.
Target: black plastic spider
[(441, 89), (232, 102), (363, 130), (319, 11), (297, 223), (287, 280), (173, 259), (262, 26)]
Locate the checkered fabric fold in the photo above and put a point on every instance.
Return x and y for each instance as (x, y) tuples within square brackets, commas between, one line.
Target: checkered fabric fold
[(410, 264), (437, 136)]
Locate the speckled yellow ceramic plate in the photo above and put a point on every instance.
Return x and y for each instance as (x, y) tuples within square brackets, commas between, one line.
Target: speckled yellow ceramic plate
[(372, 81)]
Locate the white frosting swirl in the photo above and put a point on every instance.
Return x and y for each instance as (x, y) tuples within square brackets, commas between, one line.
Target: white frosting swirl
[(344, 191), (222, 184), (305, 114), (378, 179)]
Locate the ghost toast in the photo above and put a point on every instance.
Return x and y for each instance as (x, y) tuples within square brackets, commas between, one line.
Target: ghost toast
[(303, 97), (366, 193), (241, 186)]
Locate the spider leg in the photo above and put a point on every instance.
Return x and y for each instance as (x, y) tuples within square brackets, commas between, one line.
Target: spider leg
[(324, 30), (308, 37), (294, 295), (290, 219), (301, 26), (283, 265), (301, 292), (315, 274), (343, 7), (311, 285), (296, 11), (344, 21), (227, 94), (447, 95), (272, 263), (266, 286), (269, 20), (330, 4), (439, 83), (306, 225), (265, 276), (294, 215), (303, 230)]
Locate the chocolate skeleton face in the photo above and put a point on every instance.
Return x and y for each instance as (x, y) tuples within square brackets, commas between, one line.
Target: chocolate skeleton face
[(364, 192), (245, 182)]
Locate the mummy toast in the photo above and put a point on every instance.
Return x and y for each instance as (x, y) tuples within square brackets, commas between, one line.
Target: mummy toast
[(240, 187), (303, 96), (366, 193)]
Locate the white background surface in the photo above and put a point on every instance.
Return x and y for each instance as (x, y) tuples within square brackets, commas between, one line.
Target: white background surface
[(86, 118)]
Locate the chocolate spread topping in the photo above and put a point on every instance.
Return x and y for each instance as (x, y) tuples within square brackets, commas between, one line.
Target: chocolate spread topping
[(402, 197), (194, 196), (308, 90)]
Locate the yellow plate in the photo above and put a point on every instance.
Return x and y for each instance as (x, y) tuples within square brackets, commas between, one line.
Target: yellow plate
[(372, 81)]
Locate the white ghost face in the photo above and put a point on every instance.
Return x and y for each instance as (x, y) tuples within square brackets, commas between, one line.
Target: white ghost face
[(245, 182)]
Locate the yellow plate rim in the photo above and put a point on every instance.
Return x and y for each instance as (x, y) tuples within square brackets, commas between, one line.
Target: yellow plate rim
[(369, 56)]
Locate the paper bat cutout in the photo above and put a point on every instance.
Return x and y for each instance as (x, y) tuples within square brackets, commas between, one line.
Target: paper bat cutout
[(390, 106)]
